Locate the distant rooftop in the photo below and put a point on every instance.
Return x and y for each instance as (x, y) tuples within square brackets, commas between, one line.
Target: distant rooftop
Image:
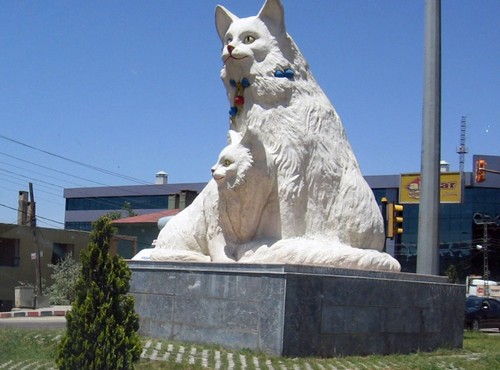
[(131, 190), (150, 218)]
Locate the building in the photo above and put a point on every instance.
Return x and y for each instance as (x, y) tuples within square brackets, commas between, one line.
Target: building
[(18, 255), (143, 228), (85, 205), (460, 234), (459, 230)]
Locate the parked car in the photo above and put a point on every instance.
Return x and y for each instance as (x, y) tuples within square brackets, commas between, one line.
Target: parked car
[(482, 313)]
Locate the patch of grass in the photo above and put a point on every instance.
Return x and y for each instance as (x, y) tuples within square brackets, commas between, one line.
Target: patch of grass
[(22, 344), (480, 352)]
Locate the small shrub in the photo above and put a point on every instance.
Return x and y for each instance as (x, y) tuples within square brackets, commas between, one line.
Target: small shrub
[(452, 274), (102, 325), (64, 275)]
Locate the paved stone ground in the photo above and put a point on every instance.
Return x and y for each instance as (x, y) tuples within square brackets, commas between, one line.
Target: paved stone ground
[(209, 359), (218, 360), (28, 365), (212, 359), (222, 360)]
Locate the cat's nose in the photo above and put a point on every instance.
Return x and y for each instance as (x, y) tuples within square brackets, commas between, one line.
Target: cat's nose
[(212, 170), (230, 48)]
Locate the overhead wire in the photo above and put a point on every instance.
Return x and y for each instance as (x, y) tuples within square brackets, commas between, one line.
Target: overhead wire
[(32, 178), (95, 168), (36, 172), (37, 216), (40, 182), (81, 191), (57, 171)]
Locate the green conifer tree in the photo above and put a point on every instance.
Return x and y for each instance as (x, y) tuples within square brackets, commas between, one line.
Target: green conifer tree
[(102, 324)]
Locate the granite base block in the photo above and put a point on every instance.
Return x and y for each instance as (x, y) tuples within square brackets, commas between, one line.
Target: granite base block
[(292, 310)]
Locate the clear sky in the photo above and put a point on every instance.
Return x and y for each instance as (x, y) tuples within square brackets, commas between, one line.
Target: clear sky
[(103, 93)]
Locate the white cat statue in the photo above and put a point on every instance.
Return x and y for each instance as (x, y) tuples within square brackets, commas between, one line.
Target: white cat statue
[(322, 209), (322, 195), (235, 212)]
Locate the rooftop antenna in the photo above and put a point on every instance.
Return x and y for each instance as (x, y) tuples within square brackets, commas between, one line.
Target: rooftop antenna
[(462, 150)]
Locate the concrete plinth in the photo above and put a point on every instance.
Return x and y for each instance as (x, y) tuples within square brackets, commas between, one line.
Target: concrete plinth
[(23, 297), (292, 310)]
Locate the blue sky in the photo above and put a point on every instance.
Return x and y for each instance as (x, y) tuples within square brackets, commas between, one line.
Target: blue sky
[(133, 87)]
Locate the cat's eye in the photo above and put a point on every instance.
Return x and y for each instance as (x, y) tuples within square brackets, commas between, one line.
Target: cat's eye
[(226, 163), (228, 40), (248, 39)]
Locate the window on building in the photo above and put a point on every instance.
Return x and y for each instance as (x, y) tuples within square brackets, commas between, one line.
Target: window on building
[(84, 226), (9, 252), (116, 203), (60, 250)]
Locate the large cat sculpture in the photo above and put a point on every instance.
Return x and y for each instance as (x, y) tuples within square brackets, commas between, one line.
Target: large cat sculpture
[(326, 211)]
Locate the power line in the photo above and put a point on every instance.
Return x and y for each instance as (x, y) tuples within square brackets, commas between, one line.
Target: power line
[(32, 178), (40, 217), (54, 170), (62, 172), (19, 176), (92, 167), (82, 191), (35, 172)]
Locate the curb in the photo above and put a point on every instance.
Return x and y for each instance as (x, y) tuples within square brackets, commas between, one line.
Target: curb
[(36, 313)]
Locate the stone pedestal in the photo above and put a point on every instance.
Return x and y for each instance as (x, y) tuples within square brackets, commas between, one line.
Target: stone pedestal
[(292, 310)]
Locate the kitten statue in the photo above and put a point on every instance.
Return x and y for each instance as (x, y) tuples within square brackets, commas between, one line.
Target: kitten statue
[(236, 211), (321, 193), (248, 203)]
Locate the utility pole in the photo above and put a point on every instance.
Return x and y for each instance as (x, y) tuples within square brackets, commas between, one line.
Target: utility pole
[(485, 220), (428, 217), (38, 263), (486, 268)]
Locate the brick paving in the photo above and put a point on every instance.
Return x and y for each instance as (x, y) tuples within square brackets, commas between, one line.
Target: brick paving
[(214, 359), (210, 359)]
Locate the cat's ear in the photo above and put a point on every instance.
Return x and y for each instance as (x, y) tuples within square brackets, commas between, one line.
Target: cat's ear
[(234, 137), (223, 19), (273, 13), (252, 141)]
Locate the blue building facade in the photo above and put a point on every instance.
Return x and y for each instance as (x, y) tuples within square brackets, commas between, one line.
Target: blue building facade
[(459, 232)]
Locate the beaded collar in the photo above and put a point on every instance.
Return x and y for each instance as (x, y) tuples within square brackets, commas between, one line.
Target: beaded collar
[(240, 86)]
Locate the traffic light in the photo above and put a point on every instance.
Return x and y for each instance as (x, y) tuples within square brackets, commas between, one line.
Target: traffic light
[(480, 170), (394, 219)]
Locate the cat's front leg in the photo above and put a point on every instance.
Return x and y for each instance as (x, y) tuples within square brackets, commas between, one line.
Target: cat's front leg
[(219, 250)]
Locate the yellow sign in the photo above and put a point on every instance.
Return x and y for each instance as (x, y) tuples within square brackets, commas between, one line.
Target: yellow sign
[(451, 188)]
